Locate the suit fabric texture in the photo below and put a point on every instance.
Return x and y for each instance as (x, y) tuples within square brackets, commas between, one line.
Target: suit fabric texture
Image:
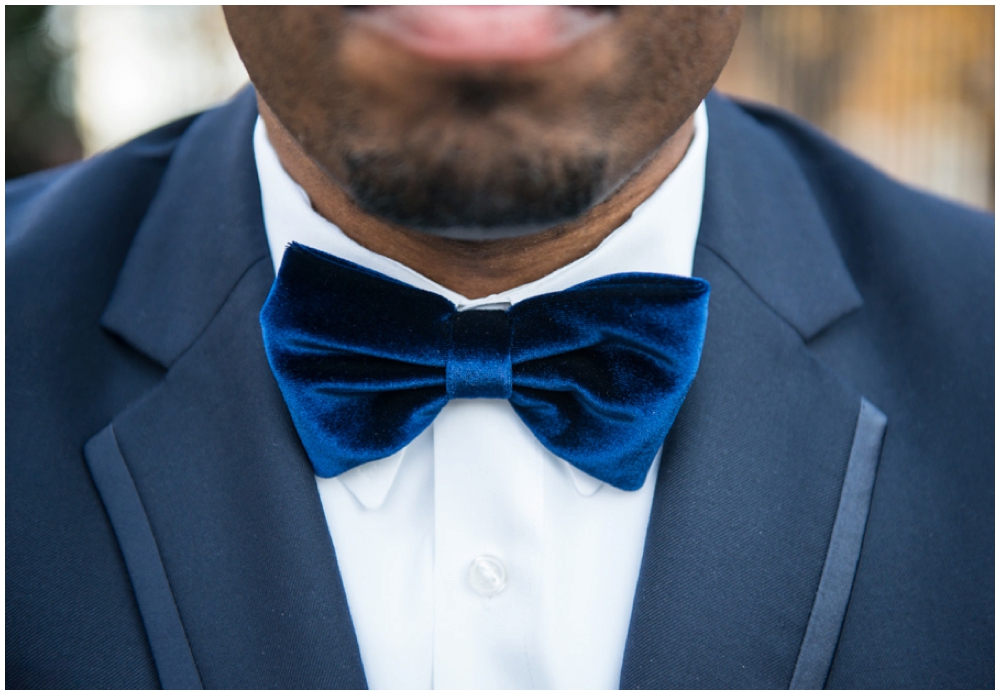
[(824, 509)]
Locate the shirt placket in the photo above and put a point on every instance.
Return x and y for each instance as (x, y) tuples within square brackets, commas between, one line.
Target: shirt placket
[(488, 509)]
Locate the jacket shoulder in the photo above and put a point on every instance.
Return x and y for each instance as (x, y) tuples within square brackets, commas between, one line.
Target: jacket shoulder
[(855, 195), (901, 245), (126, 176)]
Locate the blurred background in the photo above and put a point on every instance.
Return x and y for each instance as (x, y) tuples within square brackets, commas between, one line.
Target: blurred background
[(910, 89)]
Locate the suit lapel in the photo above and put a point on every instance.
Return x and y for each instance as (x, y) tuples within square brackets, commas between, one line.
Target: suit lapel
[(752, 471), (228, 492)]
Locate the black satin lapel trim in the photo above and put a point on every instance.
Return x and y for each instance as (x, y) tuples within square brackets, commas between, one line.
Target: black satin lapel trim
[(835, 585), (745, 503), (171, 652), (202, 231), (233, 505), (760, 215)]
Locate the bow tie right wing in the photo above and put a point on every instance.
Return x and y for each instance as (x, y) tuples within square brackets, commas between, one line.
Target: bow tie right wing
[(601, 370)]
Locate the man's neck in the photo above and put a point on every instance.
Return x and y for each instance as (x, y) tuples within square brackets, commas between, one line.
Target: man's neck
[(477, 268)]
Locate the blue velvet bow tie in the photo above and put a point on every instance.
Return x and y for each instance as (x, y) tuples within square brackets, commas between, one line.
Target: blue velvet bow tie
[(597, 372)]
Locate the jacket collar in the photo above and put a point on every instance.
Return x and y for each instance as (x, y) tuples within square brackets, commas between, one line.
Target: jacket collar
[(762, 219), (203, 231)]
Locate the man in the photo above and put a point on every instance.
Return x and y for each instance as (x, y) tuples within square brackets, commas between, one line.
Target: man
[(186, 435)]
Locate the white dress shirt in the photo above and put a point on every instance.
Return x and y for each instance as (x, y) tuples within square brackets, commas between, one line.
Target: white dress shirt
[(474, 558)]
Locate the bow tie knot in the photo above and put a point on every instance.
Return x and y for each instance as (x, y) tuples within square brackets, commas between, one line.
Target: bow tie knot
[(597, 372), (479, 363)]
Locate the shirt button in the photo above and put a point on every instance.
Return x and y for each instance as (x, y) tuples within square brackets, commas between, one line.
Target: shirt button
[(487, 575)]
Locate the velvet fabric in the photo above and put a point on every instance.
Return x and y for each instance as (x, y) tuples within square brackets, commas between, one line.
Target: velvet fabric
[(597, 372)]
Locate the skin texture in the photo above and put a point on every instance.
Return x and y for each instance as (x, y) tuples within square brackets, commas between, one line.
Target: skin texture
[(480, 175)]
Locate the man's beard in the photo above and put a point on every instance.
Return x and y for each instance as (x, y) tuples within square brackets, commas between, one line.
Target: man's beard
[(518, 193)]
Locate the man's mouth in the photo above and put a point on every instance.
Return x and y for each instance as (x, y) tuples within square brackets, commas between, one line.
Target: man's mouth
[(483, 34)]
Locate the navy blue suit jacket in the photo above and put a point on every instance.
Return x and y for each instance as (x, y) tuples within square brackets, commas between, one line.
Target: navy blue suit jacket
[(823, 514)]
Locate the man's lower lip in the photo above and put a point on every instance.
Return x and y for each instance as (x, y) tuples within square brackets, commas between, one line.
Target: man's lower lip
[(483, 33)]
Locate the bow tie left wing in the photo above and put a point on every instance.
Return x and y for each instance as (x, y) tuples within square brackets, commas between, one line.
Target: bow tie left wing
[(360, 358)]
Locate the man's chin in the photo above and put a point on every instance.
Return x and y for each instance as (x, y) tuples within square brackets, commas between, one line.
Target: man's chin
[(477, 225), (527, 197)]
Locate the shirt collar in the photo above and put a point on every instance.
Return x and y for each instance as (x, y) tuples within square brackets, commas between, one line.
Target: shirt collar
[(659, 237)]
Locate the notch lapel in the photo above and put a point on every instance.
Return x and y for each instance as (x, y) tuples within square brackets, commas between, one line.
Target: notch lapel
[(229, 494), (753, 470)]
